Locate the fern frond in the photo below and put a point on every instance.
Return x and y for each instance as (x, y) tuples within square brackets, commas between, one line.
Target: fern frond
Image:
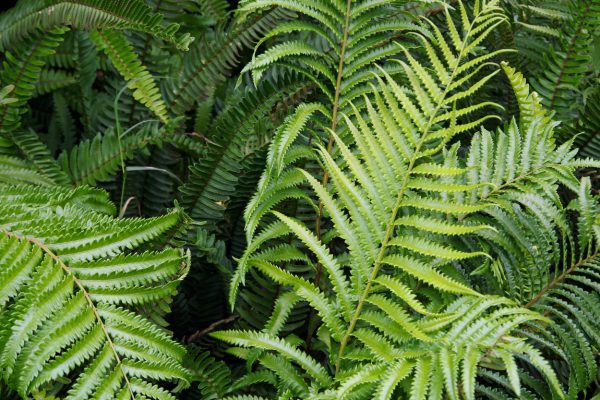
[(99, 158), (121, 53), (66, 298), (384, 160), (15, 170), (208, 62), (215, 178), (566, 65), (53, 79), (213, 377), (22, 71), (335, 46), (23, 20)]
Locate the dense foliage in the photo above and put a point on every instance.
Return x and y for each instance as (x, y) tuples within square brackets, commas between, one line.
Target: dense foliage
[(285, 199)]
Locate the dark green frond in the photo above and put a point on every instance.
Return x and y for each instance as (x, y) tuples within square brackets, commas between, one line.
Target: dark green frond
[(28, 16), (99, 158), (22, 70)]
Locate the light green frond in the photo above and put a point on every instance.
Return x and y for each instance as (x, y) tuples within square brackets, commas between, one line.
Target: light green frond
[(428, 274), (273, 343), (427, 255)]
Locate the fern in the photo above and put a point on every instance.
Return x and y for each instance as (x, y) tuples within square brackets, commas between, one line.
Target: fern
[(380, 205), (588, 127), (557, 41), (99, 158), (66, 297), (374, 342), (209, 61), (565, 68), (213, 376), (15, 170), (51, 80), (121, 53), (39, 156), (213, 180)]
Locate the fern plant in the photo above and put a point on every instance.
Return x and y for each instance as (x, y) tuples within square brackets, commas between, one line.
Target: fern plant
[(28, 16), (397, 312), (318, 199), (72, 297)]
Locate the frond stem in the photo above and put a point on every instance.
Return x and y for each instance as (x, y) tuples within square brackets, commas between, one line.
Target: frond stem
[(336, 100), (325, 180)]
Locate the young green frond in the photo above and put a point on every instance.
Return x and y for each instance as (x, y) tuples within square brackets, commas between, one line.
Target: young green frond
[(320, 200)]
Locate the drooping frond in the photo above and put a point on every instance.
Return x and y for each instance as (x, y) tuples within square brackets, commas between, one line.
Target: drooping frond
[(570, 297), (544, 250), (121, 53), (28, 16)]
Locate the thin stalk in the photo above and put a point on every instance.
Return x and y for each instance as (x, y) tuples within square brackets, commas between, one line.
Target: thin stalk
[(325, 180)]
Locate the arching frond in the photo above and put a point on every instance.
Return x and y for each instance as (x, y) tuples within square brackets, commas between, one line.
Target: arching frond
[(121, 53), (21, 71)]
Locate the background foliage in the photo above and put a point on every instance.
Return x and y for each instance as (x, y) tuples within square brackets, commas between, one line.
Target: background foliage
[(206, 199)]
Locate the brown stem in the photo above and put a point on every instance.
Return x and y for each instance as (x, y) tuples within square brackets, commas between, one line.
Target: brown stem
[(559, 279), (200, 333)]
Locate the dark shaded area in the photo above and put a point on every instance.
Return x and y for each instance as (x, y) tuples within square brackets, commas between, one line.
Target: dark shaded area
[(6, 4)]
